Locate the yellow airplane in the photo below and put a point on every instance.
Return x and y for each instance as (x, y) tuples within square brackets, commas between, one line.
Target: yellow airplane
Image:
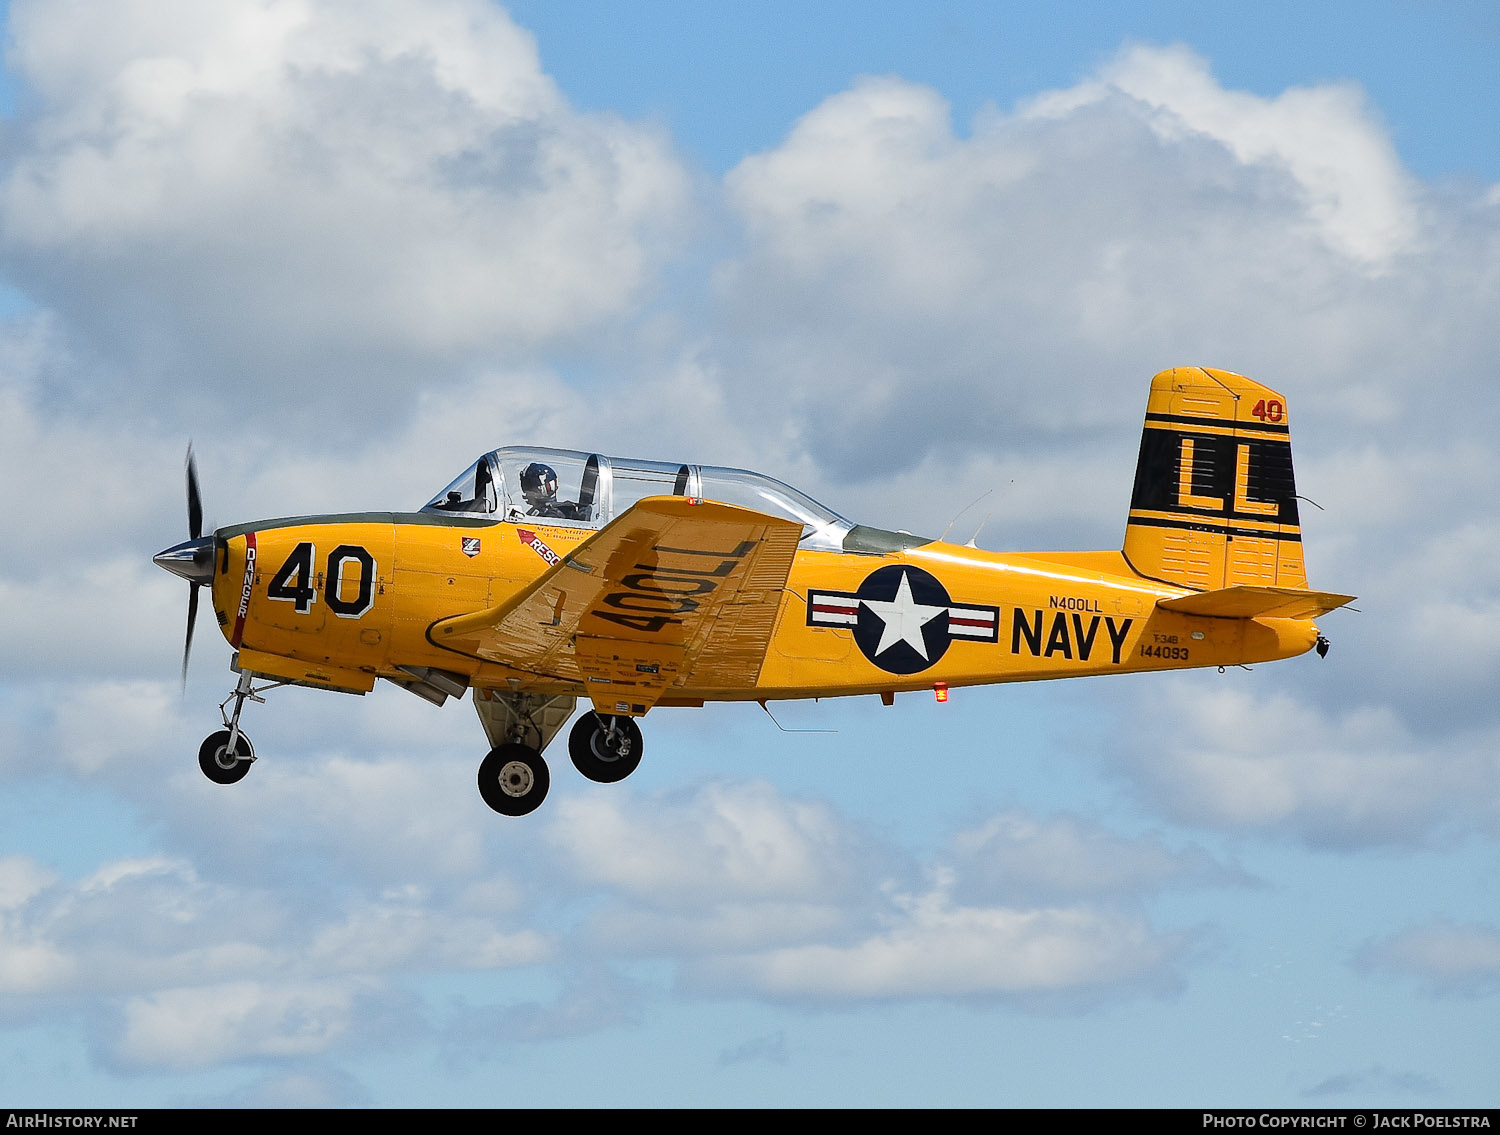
[(542, 576)]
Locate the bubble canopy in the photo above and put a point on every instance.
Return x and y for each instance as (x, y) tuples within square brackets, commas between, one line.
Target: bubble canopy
[(588, 490)]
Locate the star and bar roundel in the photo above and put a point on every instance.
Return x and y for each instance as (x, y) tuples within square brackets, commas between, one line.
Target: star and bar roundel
[(902, 618)]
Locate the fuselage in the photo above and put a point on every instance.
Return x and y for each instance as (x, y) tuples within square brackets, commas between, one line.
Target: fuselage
[(338, 601)]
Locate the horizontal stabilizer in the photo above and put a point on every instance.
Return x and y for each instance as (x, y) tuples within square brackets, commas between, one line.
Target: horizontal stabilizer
[(1249, 602)]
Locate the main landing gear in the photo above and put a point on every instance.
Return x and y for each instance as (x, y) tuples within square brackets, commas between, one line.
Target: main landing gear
[(226, 755), (605, 749), (513, 778)]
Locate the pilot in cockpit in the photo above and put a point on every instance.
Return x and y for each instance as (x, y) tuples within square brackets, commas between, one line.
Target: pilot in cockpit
[(539, 487)]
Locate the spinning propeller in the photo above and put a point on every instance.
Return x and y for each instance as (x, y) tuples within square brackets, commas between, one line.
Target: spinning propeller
[(193, 559)]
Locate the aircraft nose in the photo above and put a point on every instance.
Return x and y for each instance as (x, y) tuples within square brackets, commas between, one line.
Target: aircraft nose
[(193, 560)]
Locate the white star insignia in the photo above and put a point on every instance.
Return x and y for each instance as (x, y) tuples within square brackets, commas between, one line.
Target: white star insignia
[(904, 619)]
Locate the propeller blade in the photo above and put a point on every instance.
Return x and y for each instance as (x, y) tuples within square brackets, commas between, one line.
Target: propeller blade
[(189, 566), (187, 645), (195, 502)]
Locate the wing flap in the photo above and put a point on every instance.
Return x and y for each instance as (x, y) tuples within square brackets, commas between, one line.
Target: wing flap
[(674, 593), (1252, 602)]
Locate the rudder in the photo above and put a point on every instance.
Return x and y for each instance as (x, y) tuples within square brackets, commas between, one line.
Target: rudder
[(1214, 503)]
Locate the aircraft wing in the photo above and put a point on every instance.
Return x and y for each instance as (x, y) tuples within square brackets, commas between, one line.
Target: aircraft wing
[(676, 592)]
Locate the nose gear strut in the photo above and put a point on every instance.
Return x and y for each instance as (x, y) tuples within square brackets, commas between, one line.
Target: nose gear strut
[(225, 756)]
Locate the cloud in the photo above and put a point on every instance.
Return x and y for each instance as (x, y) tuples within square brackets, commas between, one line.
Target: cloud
[(208, 1026), (1017, 855), (912, 289), (727, 865), (590, 1001), (1435, 595), (184, 972), (137, 925), (922, 297), (870, 942), (770, 1048), (291, 198), (311, 1085), (747, 890), (1372, 1080), (932, 948), (1325, 137), (1274, 762), (1447, 958), (725, 840), (28, 962), (284, 945)]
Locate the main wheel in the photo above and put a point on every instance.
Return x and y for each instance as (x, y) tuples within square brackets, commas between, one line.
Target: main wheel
[(219, 764), (605, 749), (513, 779)]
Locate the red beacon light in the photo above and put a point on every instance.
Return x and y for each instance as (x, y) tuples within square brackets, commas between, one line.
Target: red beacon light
[(941, 690)]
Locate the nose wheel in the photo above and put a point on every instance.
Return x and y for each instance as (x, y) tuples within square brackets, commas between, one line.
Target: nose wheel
[(223, 761), (513, 779), (226, 755), (605, 748)]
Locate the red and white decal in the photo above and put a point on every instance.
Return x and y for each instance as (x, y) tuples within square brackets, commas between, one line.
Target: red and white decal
[(469, 545), (539, 546), (982, 623), (239, 615), (841, 609), (832, 609)]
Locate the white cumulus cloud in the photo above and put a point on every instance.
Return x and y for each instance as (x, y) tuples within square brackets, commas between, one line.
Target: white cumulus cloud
[(934, 949), (245, 188)]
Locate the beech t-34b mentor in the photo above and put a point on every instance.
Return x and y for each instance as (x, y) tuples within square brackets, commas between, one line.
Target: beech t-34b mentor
[(540, 577)]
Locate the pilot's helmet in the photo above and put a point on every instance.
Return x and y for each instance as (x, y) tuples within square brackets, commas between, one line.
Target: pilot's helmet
[(539, 484)]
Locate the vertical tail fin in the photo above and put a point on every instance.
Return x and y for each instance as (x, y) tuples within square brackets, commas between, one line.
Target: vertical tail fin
[(1214, 503)]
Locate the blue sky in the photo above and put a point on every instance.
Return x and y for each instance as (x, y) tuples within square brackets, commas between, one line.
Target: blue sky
[(1429, 68), (900, 260)]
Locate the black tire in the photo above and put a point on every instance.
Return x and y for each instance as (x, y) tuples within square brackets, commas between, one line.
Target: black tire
[(513, 779), (218, 764), (599, 757)]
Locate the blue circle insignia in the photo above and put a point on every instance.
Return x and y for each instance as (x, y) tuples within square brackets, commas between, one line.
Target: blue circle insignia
[(902, 624)]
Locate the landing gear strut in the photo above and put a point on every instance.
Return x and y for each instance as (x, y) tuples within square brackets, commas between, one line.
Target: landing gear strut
[(225, 756), (605, 749), (513, 778)]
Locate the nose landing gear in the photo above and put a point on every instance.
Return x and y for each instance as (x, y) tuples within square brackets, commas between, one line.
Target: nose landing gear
[(226, 755)]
